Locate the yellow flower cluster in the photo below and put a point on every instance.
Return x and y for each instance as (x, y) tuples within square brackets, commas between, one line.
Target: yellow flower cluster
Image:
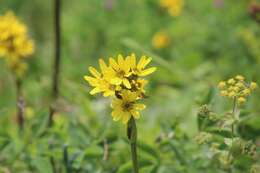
[(123, 80), (160, 40), (174, 7), (236, 88), (15, 45)]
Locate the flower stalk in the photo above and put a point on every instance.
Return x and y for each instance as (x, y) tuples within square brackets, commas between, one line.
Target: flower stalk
[(56, 72), (20, 104), (132, 136)]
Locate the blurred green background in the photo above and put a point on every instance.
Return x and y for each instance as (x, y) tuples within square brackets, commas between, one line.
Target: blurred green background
[(210, 40)]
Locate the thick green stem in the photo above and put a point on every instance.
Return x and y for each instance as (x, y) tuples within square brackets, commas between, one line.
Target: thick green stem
[(132, 136)]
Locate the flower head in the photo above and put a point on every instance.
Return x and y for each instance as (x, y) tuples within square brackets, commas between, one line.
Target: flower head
[(161, 40), (123, 80), (14, 42), (174, 7), (126, 106), (236, 88)]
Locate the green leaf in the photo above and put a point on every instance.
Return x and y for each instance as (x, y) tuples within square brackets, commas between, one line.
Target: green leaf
[(43, 165), (148, 149), (125, 168), (94, 152)]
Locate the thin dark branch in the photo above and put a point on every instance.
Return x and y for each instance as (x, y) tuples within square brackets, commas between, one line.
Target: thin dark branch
[(20, 104), (56, 66)]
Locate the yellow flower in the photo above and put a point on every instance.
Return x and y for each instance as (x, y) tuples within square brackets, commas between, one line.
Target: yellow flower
[(123, 80), (221, 84), (246, 92), (14, 42), (174, 7), (119, 71), (139, 68), (240, 77), (126, 107), (224, 93), (231, 81), (236, 88), (241, 100), (232, 94), (253, 85), (99, 81), (160, 40)]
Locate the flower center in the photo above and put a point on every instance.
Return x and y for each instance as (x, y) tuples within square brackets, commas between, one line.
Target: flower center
[(112, 87), (127, 106), (120, 74)]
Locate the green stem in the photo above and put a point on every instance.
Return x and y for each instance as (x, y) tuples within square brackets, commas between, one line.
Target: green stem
[(232, 127), (132, 136), (233, 114)]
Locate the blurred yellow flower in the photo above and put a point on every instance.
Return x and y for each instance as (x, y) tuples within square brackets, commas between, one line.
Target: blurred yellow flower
[(14, 43), (241, 100), (236, 88), (160, 40), (123, 80), (126, 106), (174, 7)]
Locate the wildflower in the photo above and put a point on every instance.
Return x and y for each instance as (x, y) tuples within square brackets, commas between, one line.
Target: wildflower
[(126, 107), (253, 85), (174, 7), (160, 40), (121, 79), (15, 45), (239, 77), (236, 88), (241, 100), (120, 71), (231, 81), (221, 84), (224, 93)]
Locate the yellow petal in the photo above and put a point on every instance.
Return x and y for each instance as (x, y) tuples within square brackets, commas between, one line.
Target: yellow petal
[(92, 81), (113, 64), (116, 81), (94, 72), (126, 83), (131, 60), (146, 62), (126, 117), (135, 114), (116, 115), (148, 71), (95, 91), (141, 62), (139, 106), (120, 60), (108, 93), (102, 65)]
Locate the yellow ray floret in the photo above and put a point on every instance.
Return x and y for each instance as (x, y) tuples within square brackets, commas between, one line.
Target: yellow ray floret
[(100, 82), (126, 107), (139, 68)]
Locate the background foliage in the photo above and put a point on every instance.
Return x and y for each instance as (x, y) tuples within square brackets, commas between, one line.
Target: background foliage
[(209, 42)]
